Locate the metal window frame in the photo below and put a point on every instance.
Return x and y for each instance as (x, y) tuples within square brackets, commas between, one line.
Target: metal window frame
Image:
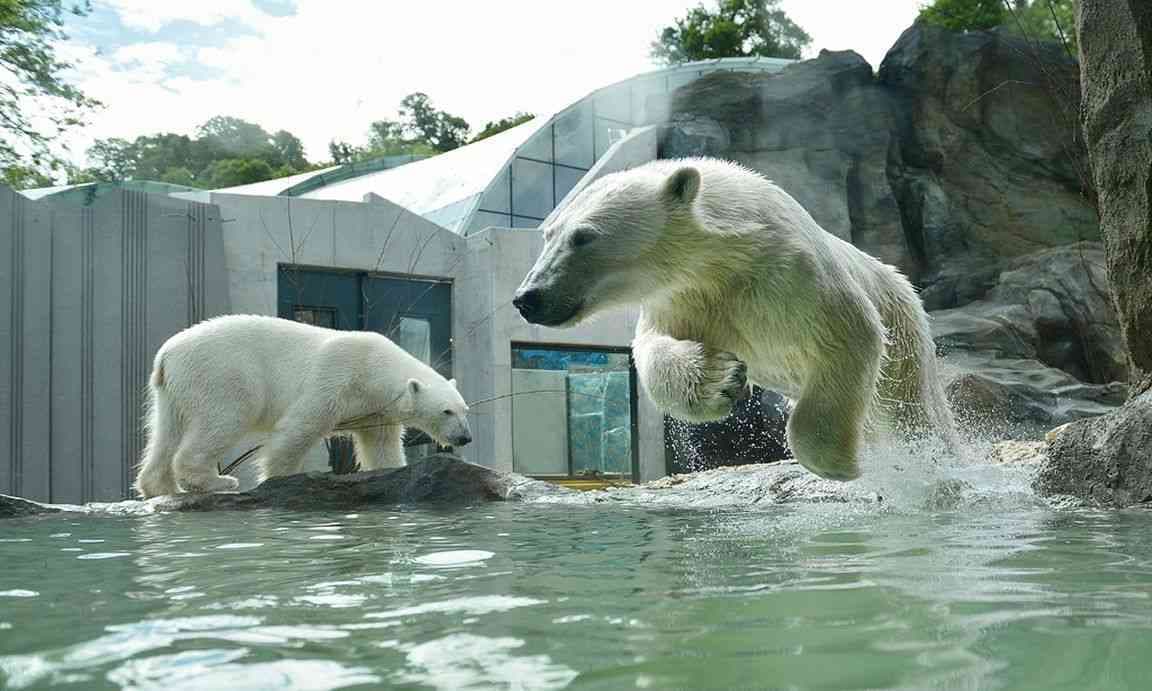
[(633, 397)]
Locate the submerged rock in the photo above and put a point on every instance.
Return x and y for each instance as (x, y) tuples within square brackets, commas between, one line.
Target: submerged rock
[(440, 479), (15, 507), (1104, 460)]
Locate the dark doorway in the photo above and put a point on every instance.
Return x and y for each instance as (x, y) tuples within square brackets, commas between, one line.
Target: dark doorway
[(416, 313)]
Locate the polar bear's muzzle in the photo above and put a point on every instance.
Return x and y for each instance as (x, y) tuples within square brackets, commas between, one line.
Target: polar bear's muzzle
[(536, 308), (458, 434)]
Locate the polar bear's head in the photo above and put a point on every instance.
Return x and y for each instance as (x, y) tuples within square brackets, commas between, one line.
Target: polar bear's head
[(609, 246), (439, 411)]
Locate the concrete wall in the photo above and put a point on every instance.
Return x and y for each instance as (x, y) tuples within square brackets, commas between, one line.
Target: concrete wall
[(89, 294), (540, 423)]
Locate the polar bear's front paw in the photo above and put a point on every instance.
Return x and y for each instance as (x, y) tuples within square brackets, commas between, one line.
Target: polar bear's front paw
[(207, 484), (723, 383)]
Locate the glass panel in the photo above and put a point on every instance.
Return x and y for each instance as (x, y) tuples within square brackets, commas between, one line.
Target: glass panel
[(607, 134), (648, 100), (615, 103), (523, 222), (574, 136), (316, 316), (485, 219), (571, 412), (496, 196), (531, 188), (414, 335), (566, 179), (538, 146)]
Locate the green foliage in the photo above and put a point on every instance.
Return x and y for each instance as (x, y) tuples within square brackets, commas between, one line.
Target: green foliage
[(342, 152), (736, 28), (36, 104), (965, 15), (442, 131), (1049, 20), (178, 176), (290, 150), (236, 171), (502, 124), (390, 138), (112, 159), (236, 136), (225, 149), (420, 130), (1052, 20), (24, 178)]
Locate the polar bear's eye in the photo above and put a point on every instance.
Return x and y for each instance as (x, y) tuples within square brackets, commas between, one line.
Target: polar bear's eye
[(447, 412), (583, 236)]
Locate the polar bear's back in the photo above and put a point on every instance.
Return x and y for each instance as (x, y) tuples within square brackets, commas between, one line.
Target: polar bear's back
[(262, 362)]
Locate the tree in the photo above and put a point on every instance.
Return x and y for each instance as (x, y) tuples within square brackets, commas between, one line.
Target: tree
[(1039, 19), (342, 152), (36, 103), (502, 124), (24, 178), (389, 138), (235, 136), (214, 156), (736, 28), (231, 172), (179, 176), (1046, 19), (290, 150), (442, 131), (965, 15), (112, 159)]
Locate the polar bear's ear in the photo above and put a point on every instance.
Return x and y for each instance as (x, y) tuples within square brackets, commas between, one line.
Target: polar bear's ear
[(452, 382), (414, 386), (683, 185)]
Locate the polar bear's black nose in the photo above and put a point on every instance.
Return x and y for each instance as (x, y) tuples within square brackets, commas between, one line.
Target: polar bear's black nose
[(527, 301)]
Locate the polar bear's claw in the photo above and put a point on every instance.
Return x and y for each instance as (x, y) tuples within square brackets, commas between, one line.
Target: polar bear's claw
[(735, 385), (723, 382)]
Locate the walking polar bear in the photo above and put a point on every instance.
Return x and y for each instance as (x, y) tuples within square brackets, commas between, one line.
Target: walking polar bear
[(738, 284), (217, 381)]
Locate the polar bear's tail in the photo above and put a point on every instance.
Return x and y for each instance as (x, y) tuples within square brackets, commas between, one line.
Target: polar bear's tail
[(162, 427)]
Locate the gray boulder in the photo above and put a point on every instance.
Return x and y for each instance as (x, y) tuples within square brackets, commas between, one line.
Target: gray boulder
[(1105, 460), (1052, 306), (997, 398), (991, 162), (1041, 346)]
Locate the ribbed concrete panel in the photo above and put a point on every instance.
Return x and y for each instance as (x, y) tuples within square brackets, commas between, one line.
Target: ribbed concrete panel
[(89, 295)]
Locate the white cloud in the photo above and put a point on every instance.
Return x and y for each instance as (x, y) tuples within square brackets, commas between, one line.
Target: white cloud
[(335, 65), (151, 15)]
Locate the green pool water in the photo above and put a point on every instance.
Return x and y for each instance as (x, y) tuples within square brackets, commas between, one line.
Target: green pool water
[(820, 596)]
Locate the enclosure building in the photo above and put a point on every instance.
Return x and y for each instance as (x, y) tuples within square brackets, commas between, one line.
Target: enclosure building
[(427, 251)]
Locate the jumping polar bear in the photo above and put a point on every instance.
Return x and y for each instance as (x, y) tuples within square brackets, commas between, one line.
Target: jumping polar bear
[(223, 378), (738, 284)]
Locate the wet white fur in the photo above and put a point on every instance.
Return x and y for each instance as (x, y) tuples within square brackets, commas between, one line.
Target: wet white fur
[(730, 269), (222, 379)]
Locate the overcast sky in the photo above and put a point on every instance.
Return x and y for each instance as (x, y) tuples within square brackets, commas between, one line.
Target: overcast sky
[(324, 69)]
